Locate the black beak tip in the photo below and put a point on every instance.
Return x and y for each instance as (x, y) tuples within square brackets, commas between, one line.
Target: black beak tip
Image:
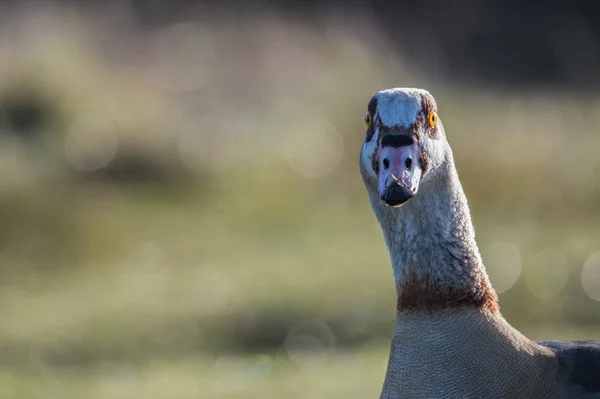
[(396, 196)]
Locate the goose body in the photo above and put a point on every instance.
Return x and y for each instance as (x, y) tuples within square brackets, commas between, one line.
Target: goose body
[(450, 339)]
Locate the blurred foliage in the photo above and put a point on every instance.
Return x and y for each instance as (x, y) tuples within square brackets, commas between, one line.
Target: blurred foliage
[(183, 215)]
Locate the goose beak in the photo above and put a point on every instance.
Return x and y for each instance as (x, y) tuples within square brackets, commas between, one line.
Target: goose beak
[(400, 169)]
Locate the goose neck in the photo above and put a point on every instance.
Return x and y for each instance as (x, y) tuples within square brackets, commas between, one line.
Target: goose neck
[(434, 255)]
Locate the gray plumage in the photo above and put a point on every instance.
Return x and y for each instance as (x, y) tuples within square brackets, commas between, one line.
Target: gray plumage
[(450, 339)]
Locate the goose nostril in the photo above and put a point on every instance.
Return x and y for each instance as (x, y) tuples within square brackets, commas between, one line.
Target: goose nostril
[(386, 163), (408, 162)]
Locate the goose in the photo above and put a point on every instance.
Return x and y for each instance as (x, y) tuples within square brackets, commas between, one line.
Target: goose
[(449, 339)]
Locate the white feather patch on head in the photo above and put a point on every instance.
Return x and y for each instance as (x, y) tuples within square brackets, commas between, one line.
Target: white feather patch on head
[(399, 106)]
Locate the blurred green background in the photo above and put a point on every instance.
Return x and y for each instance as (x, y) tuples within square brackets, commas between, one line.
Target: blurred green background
[(181, 210)]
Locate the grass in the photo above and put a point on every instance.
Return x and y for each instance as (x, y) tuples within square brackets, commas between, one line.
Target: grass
[(355, 374)]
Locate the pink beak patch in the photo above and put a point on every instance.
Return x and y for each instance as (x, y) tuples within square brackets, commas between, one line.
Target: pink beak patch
[(400, 168)]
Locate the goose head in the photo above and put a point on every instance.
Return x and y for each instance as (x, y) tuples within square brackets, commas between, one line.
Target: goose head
[(404, 146)]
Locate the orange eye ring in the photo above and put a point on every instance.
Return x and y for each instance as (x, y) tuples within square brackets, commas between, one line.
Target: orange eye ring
[(432, 118), (368, 120)]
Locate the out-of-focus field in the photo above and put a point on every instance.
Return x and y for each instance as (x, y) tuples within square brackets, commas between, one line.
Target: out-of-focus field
[(182, 213)]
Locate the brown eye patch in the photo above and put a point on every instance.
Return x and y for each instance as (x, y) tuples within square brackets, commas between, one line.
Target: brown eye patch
[(370, 133), (427, 111), (371, 109)]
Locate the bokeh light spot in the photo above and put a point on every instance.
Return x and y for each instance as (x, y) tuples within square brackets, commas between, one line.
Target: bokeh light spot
[(91, 142), (590, 276), (308, 344), (503, 262), (546, 273)]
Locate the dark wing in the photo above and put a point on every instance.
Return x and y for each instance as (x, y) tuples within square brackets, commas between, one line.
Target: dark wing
[(582, 360)]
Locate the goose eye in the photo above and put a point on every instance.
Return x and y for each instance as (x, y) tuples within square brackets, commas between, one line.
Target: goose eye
[(368, 119), (432, 118)]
